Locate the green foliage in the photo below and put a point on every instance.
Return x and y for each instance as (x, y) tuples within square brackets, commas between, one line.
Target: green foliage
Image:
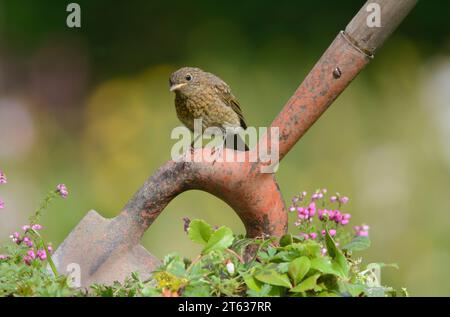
[(298, 269), (337, 257), (199, 231), (286, 267), (18, 279), (289, 266)]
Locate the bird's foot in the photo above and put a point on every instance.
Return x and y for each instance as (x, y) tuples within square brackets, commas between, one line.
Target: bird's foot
[(217, 151), (187, 155)]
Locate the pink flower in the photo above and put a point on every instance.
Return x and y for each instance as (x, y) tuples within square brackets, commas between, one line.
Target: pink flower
[(3, 179), (27, 259), (323, 251), (337, 216), (302, 213), (3, 257), (41, 255), (36, 227), (49, 248), (333, 199), (362, 233), (305, 236), (28, 242), (332, 232), (345, 219), (2, 204), (15, 237), (62, 190), (313, 235), (322, 213), (311, 209), (30, 256), (343, 200), (292, 208), (305, 213), (26, 228), (331, 214)]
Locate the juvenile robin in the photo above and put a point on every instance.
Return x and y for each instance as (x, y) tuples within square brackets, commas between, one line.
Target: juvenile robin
[(202, 95)]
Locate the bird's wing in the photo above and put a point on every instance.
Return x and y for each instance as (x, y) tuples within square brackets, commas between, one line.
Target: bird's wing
[(229, 100)]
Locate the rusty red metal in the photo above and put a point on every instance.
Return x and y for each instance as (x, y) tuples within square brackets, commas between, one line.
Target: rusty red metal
[(108, 249), (338, 66)]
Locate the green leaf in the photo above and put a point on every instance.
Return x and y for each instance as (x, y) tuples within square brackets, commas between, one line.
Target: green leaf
[(308, 284), (176, 267), (348, 289), (271, 251), (273, 278), (299, 268), (285, 256), (336, 254), (283, 267), (251, 283), (308, 248), (327, 294), (324, 265), (197, 290), (357, 244), (221, 239), (199, 231), (265, 291), (150, 292), (286, 240)]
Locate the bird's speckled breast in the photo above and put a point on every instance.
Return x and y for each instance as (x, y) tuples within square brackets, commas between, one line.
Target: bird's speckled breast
[(212, 111)]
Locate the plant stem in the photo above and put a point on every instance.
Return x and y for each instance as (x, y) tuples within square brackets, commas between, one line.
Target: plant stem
[(44, 205), (41, 241), (236, 255)]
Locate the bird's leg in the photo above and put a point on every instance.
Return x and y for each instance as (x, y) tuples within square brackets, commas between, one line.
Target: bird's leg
[(192, 149), (186, 156), (217, 150)]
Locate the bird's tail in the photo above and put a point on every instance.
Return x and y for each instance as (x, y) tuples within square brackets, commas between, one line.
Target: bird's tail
[(235, 142)]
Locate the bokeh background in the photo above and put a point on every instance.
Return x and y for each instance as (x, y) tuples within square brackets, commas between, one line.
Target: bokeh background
[(90, 108)]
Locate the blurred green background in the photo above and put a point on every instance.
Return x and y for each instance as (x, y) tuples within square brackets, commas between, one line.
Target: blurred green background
[(90, 108)]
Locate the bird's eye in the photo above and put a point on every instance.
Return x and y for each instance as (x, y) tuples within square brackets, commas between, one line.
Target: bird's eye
[(188, 77)]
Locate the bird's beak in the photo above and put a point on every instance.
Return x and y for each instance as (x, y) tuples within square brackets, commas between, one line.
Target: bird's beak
[(178, 86)]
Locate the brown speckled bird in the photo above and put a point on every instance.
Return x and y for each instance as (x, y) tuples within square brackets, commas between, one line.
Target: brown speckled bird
[(202, 95)]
